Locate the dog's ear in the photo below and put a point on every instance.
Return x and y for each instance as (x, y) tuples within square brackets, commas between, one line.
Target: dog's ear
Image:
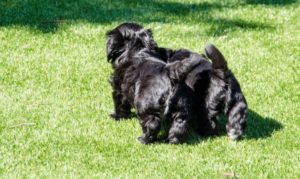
[(114, 44), (149, 32), (109, 47), (146, 38), (178, 70), (165, 54), (217, 58)]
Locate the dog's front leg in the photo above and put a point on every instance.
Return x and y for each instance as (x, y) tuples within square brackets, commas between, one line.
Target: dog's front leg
[(122, 106)]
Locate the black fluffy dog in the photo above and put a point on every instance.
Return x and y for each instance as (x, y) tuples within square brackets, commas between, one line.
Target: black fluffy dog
[(123, 43), (141, 79), (216, 91)]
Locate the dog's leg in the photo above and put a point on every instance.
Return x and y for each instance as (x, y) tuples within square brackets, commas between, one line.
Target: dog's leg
[(122, 106), (206, 127), (151, 126), (206, 115), (211, 127), (178, 131), (236, 120)]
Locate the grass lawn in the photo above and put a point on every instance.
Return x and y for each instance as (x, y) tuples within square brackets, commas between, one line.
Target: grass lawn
[(55, 99)]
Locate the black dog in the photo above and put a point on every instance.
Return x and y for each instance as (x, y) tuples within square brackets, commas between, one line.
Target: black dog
[(216, 91), (123, 43), (141, 79)]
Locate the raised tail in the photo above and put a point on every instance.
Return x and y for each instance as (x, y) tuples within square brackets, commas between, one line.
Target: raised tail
[(217, 58)]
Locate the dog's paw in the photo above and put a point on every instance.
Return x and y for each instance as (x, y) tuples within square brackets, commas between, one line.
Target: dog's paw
[(142, 139), (174, 140), (115, 116), (145, 140), (234, 134), (119, 116)]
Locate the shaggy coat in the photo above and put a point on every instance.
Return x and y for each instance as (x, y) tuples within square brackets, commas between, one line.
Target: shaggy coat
[(141, 79), (216, 92)]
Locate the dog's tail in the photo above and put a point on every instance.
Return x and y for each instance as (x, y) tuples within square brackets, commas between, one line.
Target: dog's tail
[(178, 70), (217, 58)]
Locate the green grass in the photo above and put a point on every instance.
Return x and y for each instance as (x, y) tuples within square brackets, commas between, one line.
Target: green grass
[(55, 99)]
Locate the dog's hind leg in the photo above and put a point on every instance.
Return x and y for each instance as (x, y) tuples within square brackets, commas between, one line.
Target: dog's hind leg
[(178, 130), (236, 111), (236, 120), (151, 126), (206, 127)]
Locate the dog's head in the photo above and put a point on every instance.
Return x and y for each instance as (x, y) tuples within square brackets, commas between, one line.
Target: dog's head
[(127, 38)]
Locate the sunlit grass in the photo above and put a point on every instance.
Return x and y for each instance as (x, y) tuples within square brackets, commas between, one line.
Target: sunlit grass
[(55, 99)]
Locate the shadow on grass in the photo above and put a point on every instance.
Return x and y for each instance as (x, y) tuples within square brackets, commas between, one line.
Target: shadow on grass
[(258, 127), (271, 2), (222, 26), (49, 15)]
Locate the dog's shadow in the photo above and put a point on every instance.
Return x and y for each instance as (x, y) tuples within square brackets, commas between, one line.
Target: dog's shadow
[(258, 127)]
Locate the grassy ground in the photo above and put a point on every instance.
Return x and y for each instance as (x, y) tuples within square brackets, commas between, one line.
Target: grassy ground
[(55, 98)]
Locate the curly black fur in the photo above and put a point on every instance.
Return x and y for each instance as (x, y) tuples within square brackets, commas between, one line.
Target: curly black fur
[(216, 91), (141, 79)]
